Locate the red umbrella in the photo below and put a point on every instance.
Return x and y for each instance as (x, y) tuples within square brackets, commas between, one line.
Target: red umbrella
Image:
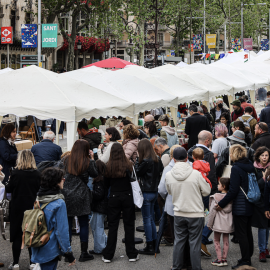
[(113, 62)]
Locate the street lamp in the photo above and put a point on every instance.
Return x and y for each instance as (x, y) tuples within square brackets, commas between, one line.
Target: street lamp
[(79, 45)]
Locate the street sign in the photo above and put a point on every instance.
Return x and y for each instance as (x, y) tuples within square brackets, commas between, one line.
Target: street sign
[(248, 44), (7, 35), (30, 58), (23, 65), (49, 35), (211, 40)]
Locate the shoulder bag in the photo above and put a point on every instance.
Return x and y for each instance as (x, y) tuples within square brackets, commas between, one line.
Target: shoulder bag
[(136, 190)]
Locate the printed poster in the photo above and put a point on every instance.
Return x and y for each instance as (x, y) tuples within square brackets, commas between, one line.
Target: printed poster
[(236, 43), (29, 35)]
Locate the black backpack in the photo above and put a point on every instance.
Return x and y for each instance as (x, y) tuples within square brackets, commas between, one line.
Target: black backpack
[(46, 164)]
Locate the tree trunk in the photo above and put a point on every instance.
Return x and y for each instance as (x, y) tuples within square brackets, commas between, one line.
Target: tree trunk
[(70, 65), (132, 55), (141, 52), (217, 42), (84, 59), (77, 59)]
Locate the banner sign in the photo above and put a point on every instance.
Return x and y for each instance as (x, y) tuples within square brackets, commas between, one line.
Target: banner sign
[(29, 35), (7, 35), (49, 35), (211, 40), (265, 44), (248, 44), (236, 43), (197, 42)]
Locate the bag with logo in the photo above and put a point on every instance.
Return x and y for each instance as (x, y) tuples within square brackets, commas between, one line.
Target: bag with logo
[(228, 168), (136, 190), (254, 193)]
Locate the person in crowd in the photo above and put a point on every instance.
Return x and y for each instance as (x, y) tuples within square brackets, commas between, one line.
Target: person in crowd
[(239, 125), (220, 143), (151, 118), (167, 132), (241, 208), (46, 150), (262, 94), (126, 122), (261, 163), (237, 110), (262, 136), (218, 110), (130, 142), (162, 148), (268, 94), (237, 138), (187, 187), (2, 177), (244, 105), (150, 130), (80, 166), (55, 212), (225, 119), (99, 207), (221, 222), (208, 116), (8, 150), (111, 137), (23, 185), (248, 120), (194, 125), (267, 195), (148, 169), (94, 123), (38, 124), (92, 136), (117, 179), (113, 121)]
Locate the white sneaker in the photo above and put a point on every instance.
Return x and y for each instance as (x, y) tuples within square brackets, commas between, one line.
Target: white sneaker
[(135, 259), (105, 260), (15, 267), (32, 266)]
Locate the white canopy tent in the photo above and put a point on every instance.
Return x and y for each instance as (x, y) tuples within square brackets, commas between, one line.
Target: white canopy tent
[(5, 70), (181, 64)]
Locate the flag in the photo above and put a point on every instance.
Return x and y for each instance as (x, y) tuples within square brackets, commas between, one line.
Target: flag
[(246, 56), (207, 56), (217, 56), (222, 55)]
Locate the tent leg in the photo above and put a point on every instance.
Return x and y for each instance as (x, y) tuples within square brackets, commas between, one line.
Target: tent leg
[(206, 103), (252, 97), (57, 125), (230, 98), (136, 119), (174, 115), (71, 134)]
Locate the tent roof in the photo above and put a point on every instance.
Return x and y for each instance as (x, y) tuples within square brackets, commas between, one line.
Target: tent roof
[(181, 64), (5, 70), (45, 94), (113, 62)]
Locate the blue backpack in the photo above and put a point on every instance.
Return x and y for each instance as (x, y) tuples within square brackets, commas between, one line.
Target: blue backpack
[(254, 193)]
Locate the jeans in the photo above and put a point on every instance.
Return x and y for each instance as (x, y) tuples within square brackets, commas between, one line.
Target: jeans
[(263, 236), (97, 226), (157, 211), (149, 216), (52, 265), (206, 232), (84, 228), (39, 131)]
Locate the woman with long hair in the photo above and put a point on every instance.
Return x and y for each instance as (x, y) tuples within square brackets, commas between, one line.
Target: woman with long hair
[(80, 166), (8, 150), (117, 179), (150, 129), (149, 169), (225, 119), (24, 184)]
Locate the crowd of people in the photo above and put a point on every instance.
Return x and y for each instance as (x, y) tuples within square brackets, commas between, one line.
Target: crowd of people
[(92, 183)]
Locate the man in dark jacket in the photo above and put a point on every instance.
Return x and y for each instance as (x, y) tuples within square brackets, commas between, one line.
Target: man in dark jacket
[(218, 110), (92, 136), (194, 125), (262, 136), (238, 111), (265, 113), (46, 150)]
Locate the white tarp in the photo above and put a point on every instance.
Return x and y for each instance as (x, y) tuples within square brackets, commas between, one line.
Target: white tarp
[(5, 70), (181, 64)]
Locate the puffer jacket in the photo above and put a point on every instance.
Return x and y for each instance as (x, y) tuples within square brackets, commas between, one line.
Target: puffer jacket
[(149, 174), (239, 177), (93, 137), (220, 221), (130, 148), (99, 198)]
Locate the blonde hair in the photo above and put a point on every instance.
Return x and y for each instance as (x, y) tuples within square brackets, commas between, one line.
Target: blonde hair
[(237, 152), (172, 149), (26, 160), (198, 153)]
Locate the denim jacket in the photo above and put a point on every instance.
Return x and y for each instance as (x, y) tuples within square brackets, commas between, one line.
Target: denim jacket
[(59, 244)]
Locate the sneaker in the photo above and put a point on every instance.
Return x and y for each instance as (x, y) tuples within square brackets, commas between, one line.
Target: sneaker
[(217, 262), (32, 266), (135, 259), (204, 251), (15, 267), (262, 257), (164, 242), (105, 260), (225, 263), (267, 253)]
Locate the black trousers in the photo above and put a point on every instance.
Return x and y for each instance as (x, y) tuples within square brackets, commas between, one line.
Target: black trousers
[(243, 233), (121, 202)]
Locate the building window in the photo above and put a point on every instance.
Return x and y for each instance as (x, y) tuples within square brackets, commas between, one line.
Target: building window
[(13, 18), (27, 17), (160, 38)]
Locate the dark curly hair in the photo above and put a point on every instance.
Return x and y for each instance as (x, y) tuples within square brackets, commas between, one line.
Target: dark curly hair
[(51, 177), (6, 131), (130, 132), (115, 134), (260, 151), (225, 115)]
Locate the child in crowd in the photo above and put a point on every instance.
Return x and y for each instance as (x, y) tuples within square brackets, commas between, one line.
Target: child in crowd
[(99, 208), (221, 222), (201, 165)]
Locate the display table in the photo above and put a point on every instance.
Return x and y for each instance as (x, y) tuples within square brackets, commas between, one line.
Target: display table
[(23, 145)]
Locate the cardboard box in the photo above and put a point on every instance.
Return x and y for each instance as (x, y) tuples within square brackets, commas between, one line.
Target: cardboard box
[(23, 145), (19, 145)]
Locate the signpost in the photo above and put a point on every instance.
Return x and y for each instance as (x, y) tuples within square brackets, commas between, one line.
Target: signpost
[(7, 38), (49, 35)]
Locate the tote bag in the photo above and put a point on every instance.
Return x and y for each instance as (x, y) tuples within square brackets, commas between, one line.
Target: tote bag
[(227, 170), (136, 190)]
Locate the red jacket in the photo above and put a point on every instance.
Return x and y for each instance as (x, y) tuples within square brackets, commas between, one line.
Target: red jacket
[(245, 104), (235, 116), (204, 168)]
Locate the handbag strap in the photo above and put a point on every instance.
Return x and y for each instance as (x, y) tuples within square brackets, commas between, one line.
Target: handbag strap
[(244, 192), (134, 173), (229, 154)]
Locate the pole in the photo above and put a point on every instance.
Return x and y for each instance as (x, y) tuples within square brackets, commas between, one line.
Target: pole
[(156, 34), (242, 27), (39, 32), (8, 55), (204, 26), (269, 32), (190, 32), (225, 38)]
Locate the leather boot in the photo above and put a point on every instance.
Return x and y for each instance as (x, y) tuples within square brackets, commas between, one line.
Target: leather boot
[(148, 250), (2, 265), (154, 245), (85, 256)]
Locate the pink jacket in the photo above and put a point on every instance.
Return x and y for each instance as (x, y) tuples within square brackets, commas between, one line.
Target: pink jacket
[(220, 221), (130, 148)]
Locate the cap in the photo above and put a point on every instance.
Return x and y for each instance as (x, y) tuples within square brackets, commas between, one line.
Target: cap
[(179, 153), (164, 117), (236, 102)]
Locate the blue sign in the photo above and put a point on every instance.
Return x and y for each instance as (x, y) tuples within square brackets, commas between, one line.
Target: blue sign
[(29, 35), (265, 44)]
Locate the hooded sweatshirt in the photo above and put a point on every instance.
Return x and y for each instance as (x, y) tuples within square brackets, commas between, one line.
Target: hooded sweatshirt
[(169, 134), (187, 187)]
